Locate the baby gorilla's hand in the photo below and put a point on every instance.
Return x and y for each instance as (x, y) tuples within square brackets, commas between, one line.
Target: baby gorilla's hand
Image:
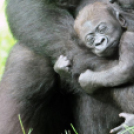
[(86, 81), (62, 65)]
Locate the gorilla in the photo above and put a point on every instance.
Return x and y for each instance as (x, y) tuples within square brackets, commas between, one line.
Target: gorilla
[(102, 37), (30, 87)]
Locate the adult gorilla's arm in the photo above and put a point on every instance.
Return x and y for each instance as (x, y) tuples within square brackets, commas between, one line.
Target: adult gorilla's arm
[(48, 30), (41, 25)]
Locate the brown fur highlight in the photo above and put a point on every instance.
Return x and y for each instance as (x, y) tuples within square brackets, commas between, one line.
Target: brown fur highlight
[(90, 12)]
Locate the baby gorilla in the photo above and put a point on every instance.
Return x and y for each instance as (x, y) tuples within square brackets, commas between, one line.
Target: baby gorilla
[(102, 36), (103, 30)]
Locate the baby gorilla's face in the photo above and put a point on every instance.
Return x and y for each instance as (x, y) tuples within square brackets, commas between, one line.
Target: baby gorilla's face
[(102, 35)]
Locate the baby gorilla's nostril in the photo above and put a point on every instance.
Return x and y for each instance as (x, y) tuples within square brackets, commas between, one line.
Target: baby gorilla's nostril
[(102, 40), (99, 41), (97, 44)]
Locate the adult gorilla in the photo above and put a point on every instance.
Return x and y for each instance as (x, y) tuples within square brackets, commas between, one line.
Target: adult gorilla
[(30, 86)]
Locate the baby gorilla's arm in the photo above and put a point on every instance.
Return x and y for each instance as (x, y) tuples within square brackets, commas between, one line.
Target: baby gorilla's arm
[(121, 73)]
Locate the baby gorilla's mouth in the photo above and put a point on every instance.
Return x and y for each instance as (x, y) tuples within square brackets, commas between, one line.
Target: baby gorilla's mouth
[(103, 45), (99, 49)]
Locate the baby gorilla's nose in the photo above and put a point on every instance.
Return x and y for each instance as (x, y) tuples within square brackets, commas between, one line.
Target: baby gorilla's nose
[(99, 41)]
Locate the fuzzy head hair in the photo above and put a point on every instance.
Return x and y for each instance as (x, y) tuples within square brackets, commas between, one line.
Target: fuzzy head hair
[(94, 11)]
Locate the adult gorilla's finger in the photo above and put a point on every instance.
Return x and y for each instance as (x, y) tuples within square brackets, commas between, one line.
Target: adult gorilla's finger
[(117, 129), (124, 115)]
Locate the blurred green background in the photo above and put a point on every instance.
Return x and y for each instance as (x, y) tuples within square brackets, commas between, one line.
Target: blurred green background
[(6, 39)]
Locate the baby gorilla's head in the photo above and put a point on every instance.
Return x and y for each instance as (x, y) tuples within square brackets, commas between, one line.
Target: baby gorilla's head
[(100, 28)]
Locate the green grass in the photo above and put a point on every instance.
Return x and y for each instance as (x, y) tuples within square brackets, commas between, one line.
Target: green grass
[(128, 129), (74, 129), (22, 127), (6, 39)]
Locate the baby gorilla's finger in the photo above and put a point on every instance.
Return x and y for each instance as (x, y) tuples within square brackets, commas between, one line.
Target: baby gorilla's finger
[(61, 56), (82, 80), (67, 69), (116, 130), (65, 58), (68, 62)]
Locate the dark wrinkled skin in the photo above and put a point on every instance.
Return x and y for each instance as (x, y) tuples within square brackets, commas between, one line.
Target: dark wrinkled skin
[(31, 87)]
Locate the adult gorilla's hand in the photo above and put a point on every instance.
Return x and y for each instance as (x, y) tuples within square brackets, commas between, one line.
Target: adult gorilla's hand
[(123, 128)]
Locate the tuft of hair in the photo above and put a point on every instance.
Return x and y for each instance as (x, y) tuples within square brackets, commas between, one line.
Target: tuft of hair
[(90, 12)]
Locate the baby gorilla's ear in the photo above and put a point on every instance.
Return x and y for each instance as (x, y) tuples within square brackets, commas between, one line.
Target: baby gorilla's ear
[(112, 1), (121, 20)]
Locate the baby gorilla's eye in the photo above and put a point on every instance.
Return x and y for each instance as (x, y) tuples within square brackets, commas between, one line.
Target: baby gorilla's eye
[(102, 29), (90, 39)]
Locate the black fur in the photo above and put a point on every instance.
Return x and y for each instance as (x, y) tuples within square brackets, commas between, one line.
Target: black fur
[(31, 87)]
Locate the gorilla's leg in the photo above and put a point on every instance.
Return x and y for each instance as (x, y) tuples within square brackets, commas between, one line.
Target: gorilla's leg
[(94, 116), (28, 88)]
